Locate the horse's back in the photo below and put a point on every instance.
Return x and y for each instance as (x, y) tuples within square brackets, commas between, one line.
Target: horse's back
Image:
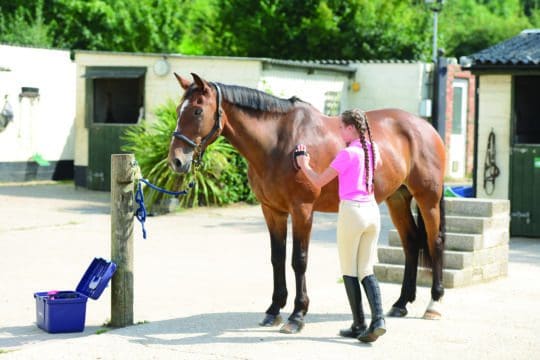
[(411, 147)]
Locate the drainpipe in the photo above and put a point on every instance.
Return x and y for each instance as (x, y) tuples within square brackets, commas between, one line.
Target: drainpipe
[(475, 153), (438, 114)]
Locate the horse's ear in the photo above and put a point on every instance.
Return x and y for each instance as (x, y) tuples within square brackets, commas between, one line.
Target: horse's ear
[(200, 83), (184, 83)]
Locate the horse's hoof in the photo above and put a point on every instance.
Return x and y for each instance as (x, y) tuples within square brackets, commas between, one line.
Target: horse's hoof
[(397, 312), (432, 315), (271, 320), (434, 310), (292, 327)]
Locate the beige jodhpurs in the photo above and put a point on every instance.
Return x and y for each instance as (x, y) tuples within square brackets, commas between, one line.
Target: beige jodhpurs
[(358, 230)]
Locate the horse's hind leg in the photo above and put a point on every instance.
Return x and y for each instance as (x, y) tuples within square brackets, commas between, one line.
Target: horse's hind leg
[(277, 226), (399, 206), (431, 207)]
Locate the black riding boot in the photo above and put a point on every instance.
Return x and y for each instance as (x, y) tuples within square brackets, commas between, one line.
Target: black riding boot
[(377, 327), (352, 287)]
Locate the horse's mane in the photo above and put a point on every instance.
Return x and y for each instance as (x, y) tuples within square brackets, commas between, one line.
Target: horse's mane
[(248, 98)]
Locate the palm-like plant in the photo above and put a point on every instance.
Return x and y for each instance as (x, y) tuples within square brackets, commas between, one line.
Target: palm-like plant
[(221, 179)]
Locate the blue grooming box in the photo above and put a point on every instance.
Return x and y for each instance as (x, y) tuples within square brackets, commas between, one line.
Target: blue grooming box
[(65, 311)]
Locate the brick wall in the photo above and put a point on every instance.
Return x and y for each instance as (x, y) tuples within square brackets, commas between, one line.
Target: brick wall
[(455, 72)]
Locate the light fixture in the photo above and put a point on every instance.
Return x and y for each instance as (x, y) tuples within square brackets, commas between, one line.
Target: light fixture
[(435, 6), (161, 67)]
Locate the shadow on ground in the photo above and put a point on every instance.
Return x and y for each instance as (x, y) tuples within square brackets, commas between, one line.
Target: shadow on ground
[(16, 336), (230, 328)]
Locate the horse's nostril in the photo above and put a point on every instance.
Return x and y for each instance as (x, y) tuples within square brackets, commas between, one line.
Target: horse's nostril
[(177, 163)]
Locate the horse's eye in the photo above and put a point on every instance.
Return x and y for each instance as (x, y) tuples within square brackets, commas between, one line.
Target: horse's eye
[(198, 111)]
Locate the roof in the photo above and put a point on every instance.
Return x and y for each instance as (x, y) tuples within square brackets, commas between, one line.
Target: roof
[(337, 66), (520, 52)]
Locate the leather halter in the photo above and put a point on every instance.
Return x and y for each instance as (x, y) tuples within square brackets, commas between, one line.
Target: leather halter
[(201, 147)]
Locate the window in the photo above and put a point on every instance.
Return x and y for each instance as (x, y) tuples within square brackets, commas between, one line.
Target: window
[(457, 112), (117, 94), (332, 103), (527, 109)]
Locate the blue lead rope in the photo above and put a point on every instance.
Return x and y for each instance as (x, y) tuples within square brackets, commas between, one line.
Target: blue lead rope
[(140, 214)]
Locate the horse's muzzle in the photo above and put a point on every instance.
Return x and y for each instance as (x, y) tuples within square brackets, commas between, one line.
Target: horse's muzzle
[(180, 167)]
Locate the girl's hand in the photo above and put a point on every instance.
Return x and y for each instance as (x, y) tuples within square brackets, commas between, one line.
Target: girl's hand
[(302, 156)]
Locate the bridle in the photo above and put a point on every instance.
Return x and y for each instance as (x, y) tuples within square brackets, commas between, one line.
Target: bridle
[(199, 148)]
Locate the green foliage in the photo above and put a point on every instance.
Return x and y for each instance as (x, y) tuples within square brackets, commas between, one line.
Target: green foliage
[(293, 29), (24, 26), (220, 180), (468, 26)]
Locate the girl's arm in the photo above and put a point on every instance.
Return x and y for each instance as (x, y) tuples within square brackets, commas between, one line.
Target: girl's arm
[(319, 180)]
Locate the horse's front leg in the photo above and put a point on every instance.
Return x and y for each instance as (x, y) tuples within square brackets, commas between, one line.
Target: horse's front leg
[(277, 226), (302, 219)]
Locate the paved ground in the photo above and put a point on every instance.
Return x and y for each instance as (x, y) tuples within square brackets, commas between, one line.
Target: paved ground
[(203, 281)]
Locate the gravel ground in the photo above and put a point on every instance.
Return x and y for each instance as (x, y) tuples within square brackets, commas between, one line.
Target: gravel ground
[(203, 279)]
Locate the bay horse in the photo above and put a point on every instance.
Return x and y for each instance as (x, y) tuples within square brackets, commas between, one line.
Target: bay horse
[(265, 130)]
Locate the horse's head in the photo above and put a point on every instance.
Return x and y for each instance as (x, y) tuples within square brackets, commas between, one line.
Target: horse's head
[(199, 122)]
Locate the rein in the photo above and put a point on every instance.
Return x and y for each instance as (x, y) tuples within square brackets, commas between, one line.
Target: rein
[(140, 213), (201, 146)]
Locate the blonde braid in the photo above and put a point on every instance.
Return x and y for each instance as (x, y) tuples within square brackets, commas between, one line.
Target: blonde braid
[(372, 153), (358, 119)]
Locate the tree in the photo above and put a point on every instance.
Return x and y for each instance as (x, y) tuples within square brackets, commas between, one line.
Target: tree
[(24, 25), (292, 29), (468, 26), (322, 29)]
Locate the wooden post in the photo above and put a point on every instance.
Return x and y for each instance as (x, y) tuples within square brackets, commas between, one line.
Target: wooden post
[(122, 195)]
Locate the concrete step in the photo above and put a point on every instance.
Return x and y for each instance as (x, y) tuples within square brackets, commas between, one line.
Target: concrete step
[(452, 259), (476, 207), (462, 242), (455, 260), (476, 225), (394, 274), (451, 278)]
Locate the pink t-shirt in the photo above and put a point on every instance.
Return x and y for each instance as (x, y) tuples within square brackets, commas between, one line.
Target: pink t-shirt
[(350, 165)]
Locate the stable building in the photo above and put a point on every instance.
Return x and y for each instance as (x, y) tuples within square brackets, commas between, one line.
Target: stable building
[(118, 90), (507, 127), (37, 108)]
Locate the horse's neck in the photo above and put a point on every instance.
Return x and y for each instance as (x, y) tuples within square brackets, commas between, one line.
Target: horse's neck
[(253, 138)]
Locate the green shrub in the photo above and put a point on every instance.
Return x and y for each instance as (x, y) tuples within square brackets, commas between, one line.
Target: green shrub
[(220, 180)]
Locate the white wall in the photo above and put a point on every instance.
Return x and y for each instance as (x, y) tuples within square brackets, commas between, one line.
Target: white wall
[(494, 109), (159, 89), (44, 125), (401, 85), (310, 87)]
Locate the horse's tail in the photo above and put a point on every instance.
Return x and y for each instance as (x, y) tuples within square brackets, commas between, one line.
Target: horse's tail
[(425, 259), (442, 224)]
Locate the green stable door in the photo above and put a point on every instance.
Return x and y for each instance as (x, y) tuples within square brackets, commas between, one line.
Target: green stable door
[(525, 158), (525, 191), (115, 98), (105, 140)]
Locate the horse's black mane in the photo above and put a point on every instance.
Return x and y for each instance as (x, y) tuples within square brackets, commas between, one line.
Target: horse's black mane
[(252, 99)]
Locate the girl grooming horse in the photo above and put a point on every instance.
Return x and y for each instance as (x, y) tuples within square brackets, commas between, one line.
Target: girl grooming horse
[(265, 129)]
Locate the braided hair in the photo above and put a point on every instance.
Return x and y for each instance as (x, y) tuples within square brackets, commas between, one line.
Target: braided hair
[(359, 120)]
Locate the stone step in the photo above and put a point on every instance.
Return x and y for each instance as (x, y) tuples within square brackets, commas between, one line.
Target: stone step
[(394, 274), (452, 259), (464, 224), (476, 207), (455, 260), (463, 242), (451, 278), (476, 225)]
